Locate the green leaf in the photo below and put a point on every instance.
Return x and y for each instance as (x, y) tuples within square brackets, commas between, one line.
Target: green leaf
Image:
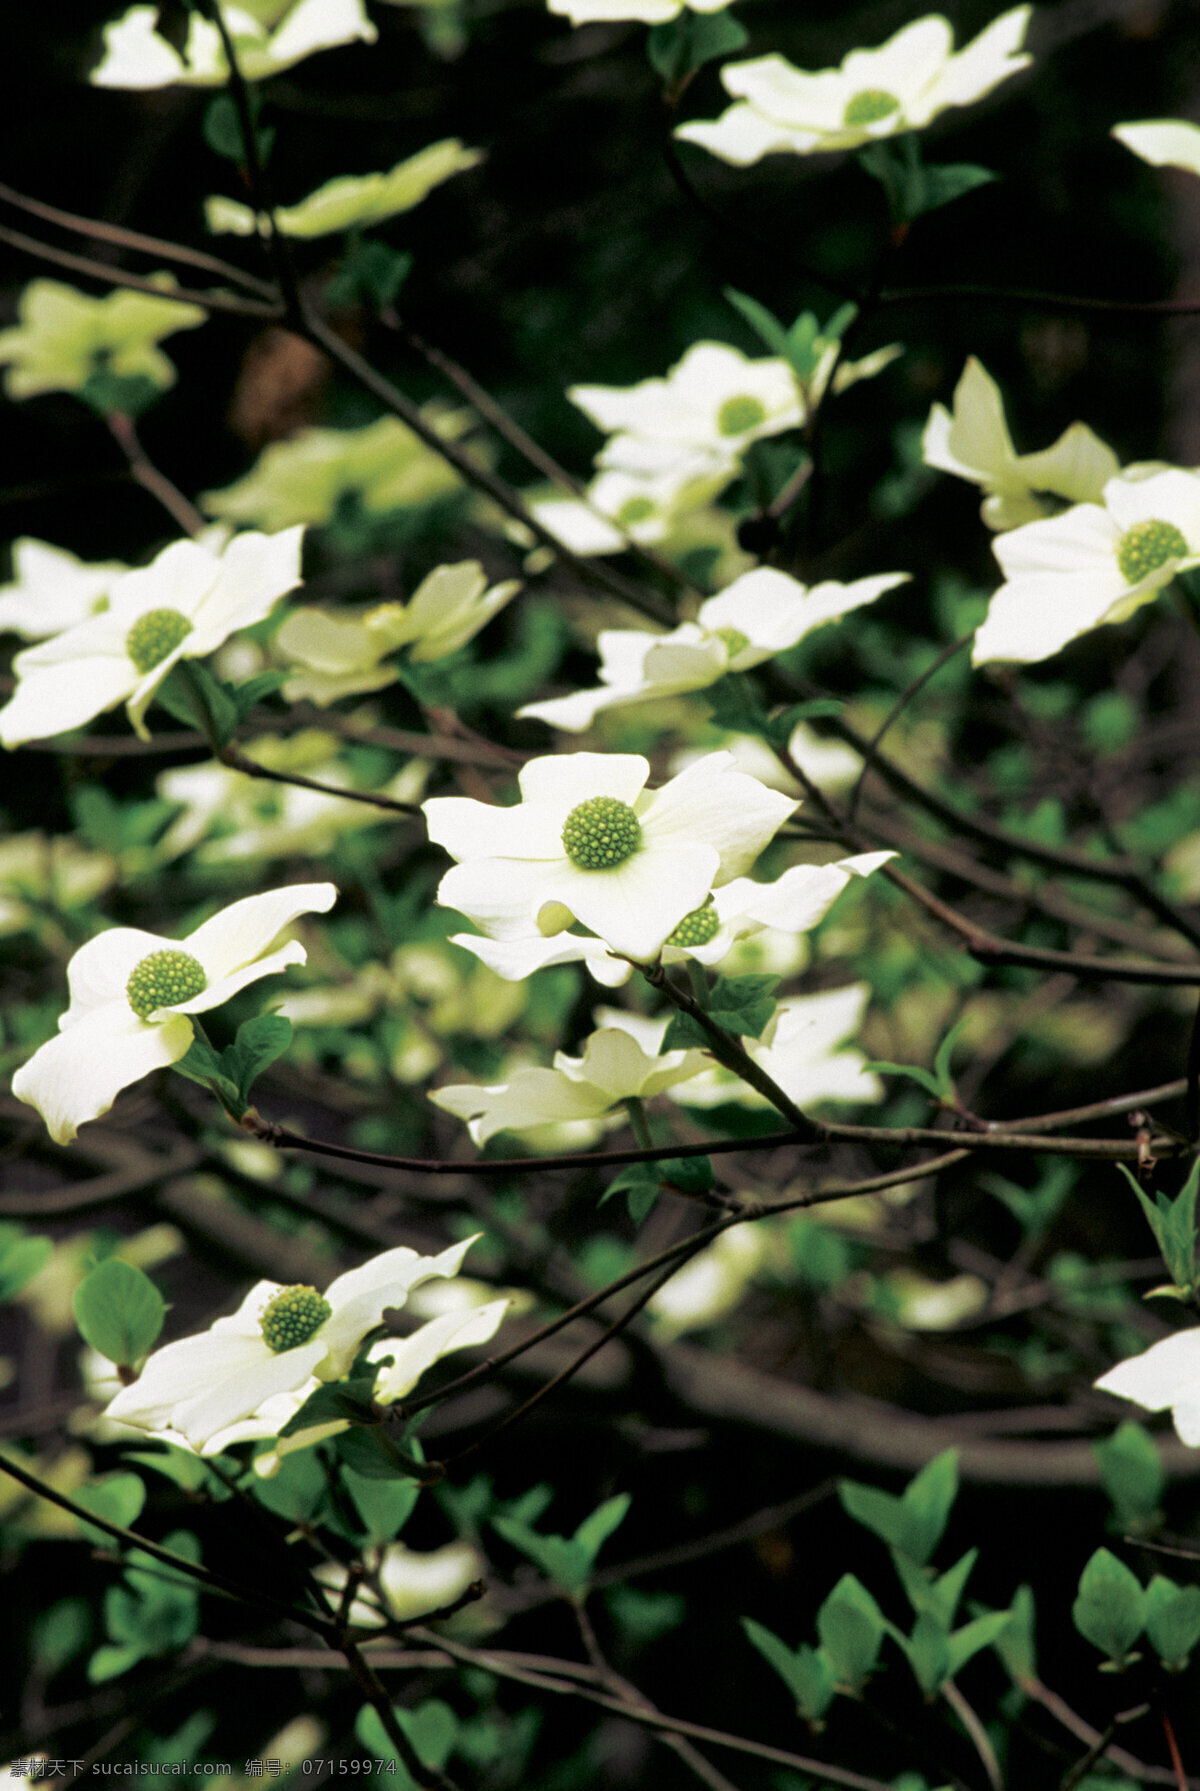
[(349, 1400), (741, 1005), (1111, 1607), (686, 43), (950, 180), (912, 1524), (782, 726), (222, 130), (432, 1728), (980, 1633), (735, 703), (912, 188), (806, 1672), (851, 1627), (928, 1653), (764, 323), (119, 1311), (941, 1596), (297, 1492), (248, 695), (200, 1063), (1173, 1223), (122, 394), (258, 1043), (1172, 1621), (384, 1506), (562, 1561), (118, 1498), (1015, 1643), (370, 272), (183, 1469), (642, 1183), (1133, 1475), (21, 1257), (595, 1530)]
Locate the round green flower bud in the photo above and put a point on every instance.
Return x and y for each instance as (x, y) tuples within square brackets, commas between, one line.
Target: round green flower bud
[(737, 415), (869, 106), (154, 635), (164, 979), (1147, 546), (600, 833), (696, 928), (294, 1316), (735, 641)]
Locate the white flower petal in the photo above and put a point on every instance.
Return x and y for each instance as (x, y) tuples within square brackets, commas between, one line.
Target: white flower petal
[(78, 1075), (358, 1298), (1165, 142), (1167, 1372), (244, 931), (411, 1356)]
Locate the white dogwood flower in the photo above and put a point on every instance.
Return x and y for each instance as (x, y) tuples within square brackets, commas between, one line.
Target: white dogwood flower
[(132, 993), (803, 1050), (972, 441), (1094, 564), (350, 201), (901, 86), (268, 35), (760, 614), (650, 12), (62, 337), (182, 606), (588, 841), (208, 1391), (794, 903), (1164, 142), (1165, 1375), (51, 589), (612, 1069), (715, 401)]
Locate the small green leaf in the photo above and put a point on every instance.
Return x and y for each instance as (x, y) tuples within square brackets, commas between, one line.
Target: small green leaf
[(806, 1673), (298, 1492), (431, 1727), (928, 1653), (384, 1506), (1133, 1476), (851, 1627), (258, 1043), (595, 1530), (118, 1498), (951, 180), (1111, 1607), (980, 1633), (940, 1596), (21, 1257), (348, 1400), (684, 44), (912, 1524), (782, 726), (119, 1311), (764, 323), (1015, 1643), (369, 272), (1172, 1621)]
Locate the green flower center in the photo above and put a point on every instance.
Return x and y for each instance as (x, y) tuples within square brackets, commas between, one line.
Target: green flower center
[(1147, 546), (696, 928), (164, 979), (154, 635), (737, 415), (869, 106), (292, 1317), (735, 641), (635, 510), (600, 833)]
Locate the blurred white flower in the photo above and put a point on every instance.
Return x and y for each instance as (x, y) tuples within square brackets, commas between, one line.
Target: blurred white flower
[(268, 35), (1165, 1375), (384, 465), (52, 589), (972, 441), (762, 613), (1164, 142), (711, 1285), (42, 872), (1094, 564), (901, 86), (612, 1069), (207, 1392), (351, 201), (715, 401), (132, 994), (63, 337), (181, 606), (588, 841)]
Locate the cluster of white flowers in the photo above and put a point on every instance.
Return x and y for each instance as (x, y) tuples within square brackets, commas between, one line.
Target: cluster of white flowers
[(267, 35)]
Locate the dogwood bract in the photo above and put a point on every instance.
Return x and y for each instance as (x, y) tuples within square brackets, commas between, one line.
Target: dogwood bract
[(972, 441), (52, 590), (760, 614), (209, 1391), (182, 606), (589, 842), (268, 35), (1094, 564), (793, 903), (1164, 142), (901, 86), (1166, 1374), (63, 337), (612, 1069), (132, 993), (350, 200)]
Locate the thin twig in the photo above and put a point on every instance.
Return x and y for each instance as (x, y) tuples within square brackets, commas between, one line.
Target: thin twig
[(178, 507), (117, 276)]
